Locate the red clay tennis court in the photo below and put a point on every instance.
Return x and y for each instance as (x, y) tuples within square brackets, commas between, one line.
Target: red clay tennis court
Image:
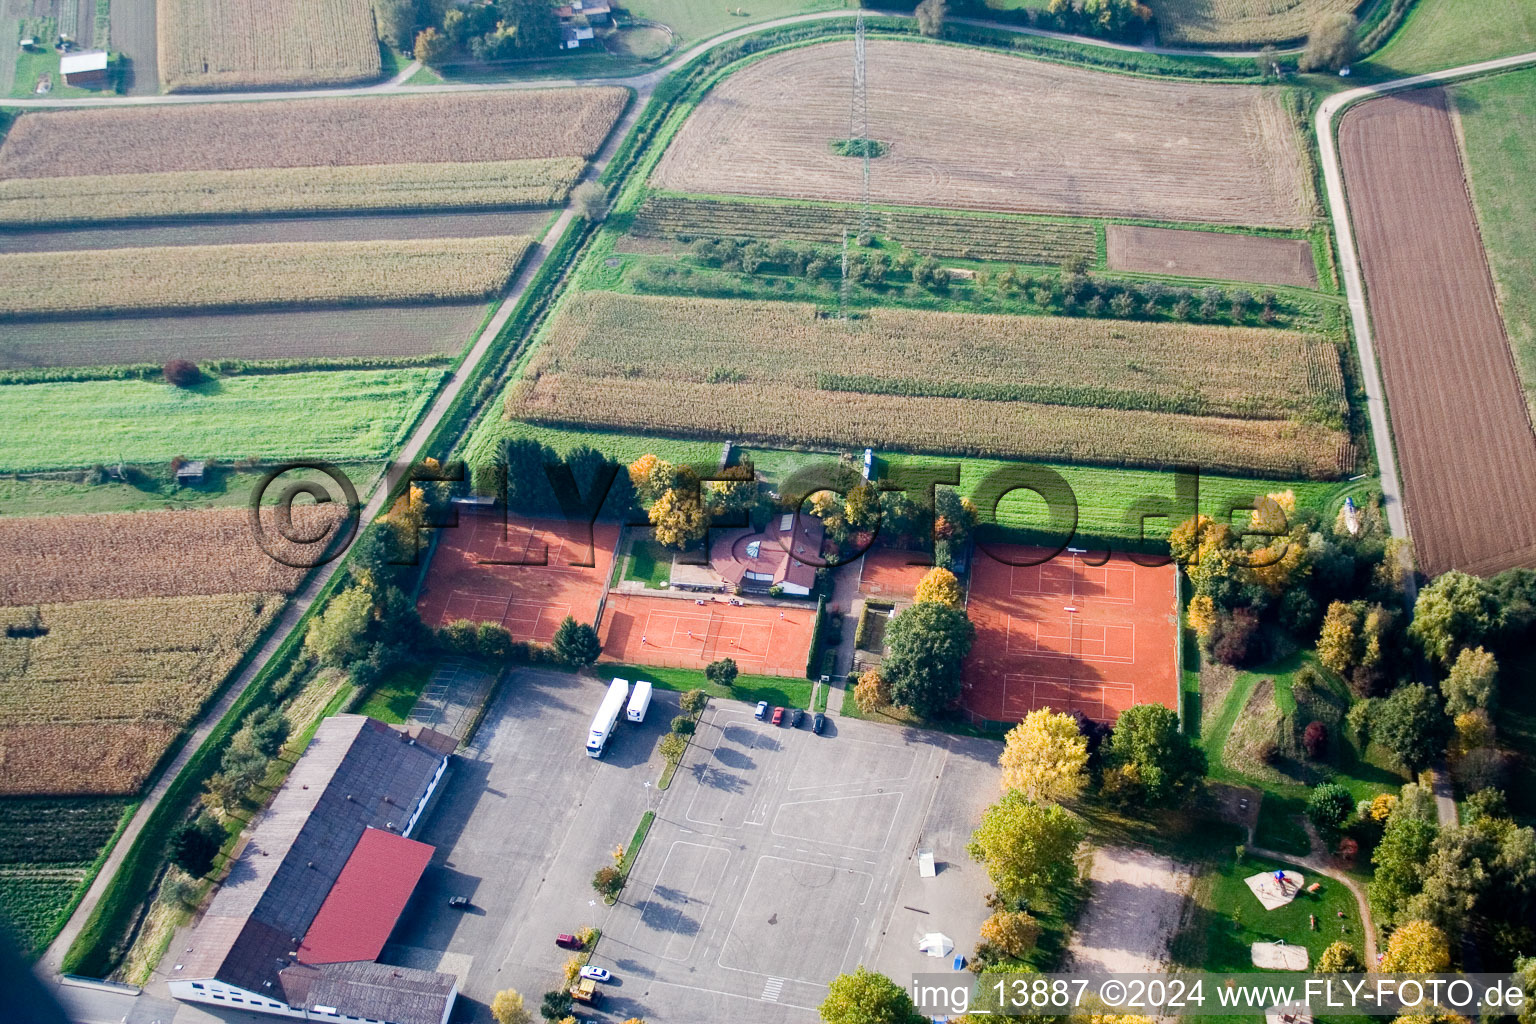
[(1069, 636), (524, 575), (766, 640), (886, 573)]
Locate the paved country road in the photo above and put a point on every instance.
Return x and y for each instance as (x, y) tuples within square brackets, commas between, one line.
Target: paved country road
[(1349, 264)]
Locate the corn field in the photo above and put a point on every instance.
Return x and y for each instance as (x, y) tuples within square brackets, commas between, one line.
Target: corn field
[(272, 274), (368, 131), (90, 703), (247, 44), (169, 553), (1114, 392), (111, 197), (936, 233), (1238, 22)]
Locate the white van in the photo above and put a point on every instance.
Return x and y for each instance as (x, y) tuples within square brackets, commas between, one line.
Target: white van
[(639, 701)]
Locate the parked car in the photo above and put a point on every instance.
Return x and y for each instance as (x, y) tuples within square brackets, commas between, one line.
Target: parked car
[(778, 716), (762, 710), (596, 973), (818, 723), (795, 718), (459, 902), (567, 942)]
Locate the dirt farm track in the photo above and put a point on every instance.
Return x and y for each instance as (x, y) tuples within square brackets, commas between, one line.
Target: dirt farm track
[(1459, 417), (995, 132)]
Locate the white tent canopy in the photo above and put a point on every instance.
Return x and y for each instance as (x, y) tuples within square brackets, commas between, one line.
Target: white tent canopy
[(935, 944)]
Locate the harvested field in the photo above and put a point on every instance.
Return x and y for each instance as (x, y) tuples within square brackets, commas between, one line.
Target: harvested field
[(1459, 418), (121, 197), (1093, 144), (1213, 254), (457, 128), (343, 228), (59, 559), (249, 44), (90, 704), (1240, 22), (1014, 387), (291, 334), (339, 415), (936, 232), (235, 276)]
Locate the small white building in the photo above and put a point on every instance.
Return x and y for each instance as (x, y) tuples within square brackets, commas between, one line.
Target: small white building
[(88, 67)]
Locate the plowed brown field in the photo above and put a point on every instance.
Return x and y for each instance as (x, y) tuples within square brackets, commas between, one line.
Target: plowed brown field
[(1213, 254), (994, 132), (1458, 415)]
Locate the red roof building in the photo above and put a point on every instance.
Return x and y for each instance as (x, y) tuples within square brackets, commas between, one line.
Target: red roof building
[(369, 895)]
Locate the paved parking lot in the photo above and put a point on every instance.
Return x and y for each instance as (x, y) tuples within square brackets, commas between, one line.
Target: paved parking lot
[(522, 825), (780, 858)]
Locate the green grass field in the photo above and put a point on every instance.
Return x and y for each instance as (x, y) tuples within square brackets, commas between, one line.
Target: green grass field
[(348, 415), (1447, 33), (693, 20), (785, 691), (396, 694), (223, 486), (649, 563), (1498, 119), (1104, 495), (1227, 917)]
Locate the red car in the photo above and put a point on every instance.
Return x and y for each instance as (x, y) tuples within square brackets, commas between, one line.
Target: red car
[(567, 942), (778, 716)]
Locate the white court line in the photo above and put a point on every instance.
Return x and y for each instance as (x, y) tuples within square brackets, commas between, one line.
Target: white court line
[(737, 995), (720, 960), (889, 827)]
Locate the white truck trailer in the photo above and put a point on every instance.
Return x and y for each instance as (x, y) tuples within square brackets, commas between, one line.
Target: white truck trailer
[(639, 701), (607, 714)]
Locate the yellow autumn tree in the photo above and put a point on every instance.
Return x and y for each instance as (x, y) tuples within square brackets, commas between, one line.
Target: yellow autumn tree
[(1338, 646), (871, 692), (573, 968), (650, 477), (1202, 615), (507, 1007), (1045, 756), (1014, 933), (678, 518), (1381, 807), (407, 517), (939, 586), (1418, 947), (1273, 513)]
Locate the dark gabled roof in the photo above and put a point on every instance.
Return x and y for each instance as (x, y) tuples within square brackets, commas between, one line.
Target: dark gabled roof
[(401, 995), (356, 773)]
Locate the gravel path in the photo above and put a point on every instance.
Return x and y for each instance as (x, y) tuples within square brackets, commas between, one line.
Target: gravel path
[(1137, 900)]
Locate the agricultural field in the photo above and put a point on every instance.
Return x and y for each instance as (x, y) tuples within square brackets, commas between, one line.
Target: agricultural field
[(1211, 254), (359, 331), (383, 227), (173, 553), (340, 415), (46, 849), (250, 44), (357, 132), (1240, 22), (92, 692), (1498, 133), (934, 232), (1094, 144), (1440, 34), (272, 275), (1459, 416), (94, 198), (693, 20), (467, 150), (732, 369)]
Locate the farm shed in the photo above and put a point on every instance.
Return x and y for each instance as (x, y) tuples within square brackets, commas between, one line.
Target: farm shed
[(191, 472), (298, 926), (86, 68)]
